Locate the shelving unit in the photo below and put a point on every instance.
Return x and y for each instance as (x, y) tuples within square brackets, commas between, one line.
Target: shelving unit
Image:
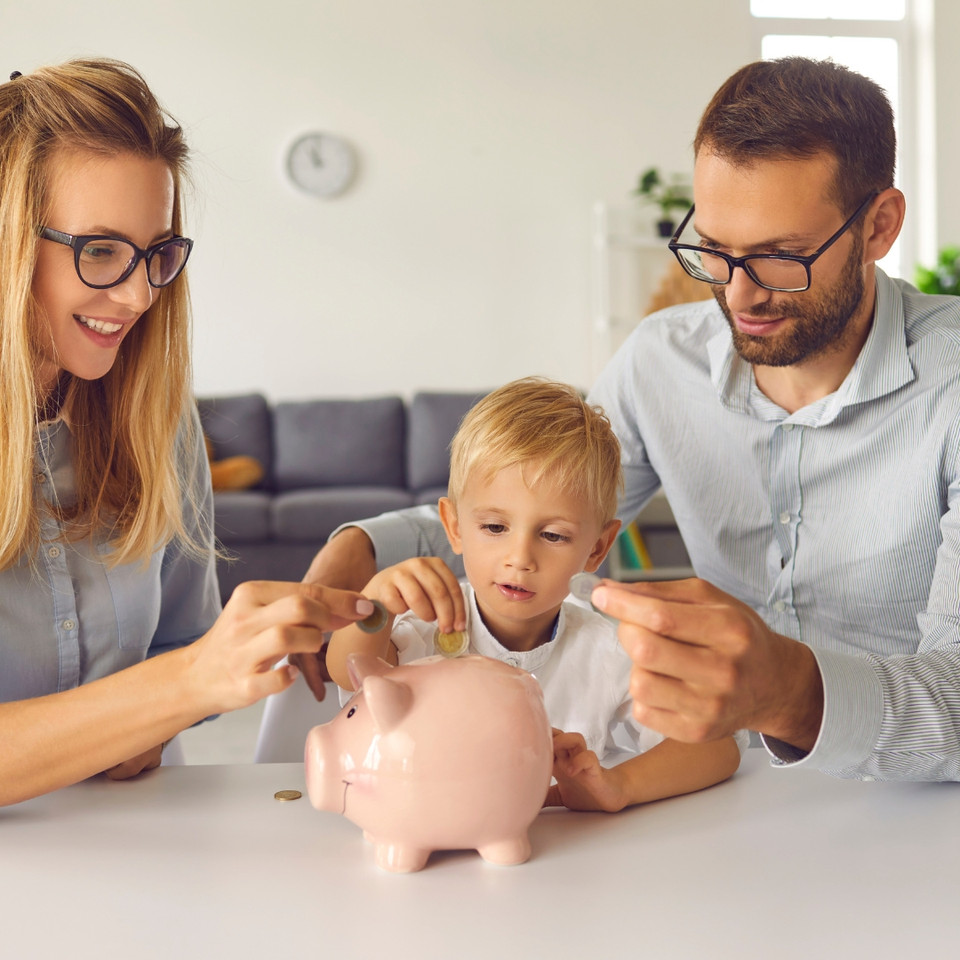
[(629, 261), (663, 542)]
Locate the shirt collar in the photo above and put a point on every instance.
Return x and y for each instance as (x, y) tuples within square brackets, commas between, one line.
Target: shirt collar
[(882, 366), (486, 644)]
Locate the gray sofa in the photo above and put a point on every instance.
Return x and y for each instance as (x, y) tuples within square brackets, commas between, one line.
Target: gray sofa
[(326, 462)]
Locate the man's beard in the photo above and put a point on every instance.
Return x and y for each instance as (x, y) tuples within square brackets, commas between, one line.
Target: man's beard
[(820, 325)]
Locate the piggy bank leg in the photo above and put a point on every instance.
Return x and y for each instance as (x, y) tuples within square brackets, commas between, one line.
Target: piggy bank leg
[(506, 852), (398, 857)]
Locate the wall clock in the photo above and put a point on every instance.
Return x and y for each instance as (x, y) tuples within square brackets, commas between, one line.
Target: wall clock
[(321, 164)]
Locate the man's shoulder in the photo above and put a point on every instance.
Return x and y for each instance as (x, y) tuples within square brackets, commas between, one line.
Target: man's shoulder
[(928, 315), (701, 317)]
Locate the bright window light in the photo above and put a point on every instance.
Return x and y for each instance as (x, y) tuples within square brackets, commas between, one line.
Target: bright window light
[(874, 57), (830, 9)]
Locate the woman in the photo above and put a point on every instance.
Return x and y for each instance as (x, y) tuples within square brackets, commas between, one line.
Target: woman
[(111, 635)]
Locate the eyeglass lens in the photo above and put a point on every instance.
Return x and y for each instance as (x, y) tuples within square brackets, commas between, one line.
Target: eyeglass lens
[(105, 261), (770, 272)]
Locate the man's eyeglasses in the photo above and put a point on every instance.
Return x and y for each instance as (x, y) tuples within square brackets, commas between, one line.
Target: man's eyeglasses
[(784, 273), (107, 261)]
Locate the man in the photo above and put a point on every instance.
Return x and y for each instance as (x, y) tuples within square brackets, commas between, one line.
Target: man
[(805, 428)]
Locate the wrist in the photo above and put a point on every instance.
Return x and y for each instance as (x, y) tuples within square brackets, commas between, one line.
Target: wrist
[(796, 714)]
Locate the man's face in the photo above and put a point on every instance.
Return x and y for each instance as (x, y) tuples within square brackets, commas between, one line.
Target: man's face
[(781, 206)]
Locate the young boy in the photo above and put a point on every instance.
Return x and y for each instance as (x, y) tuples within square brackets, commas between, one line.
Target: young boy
[(534, 478)]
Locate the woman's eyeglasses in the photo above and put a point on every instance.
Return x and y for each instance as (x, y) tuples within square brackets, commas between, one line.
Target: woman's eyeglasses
[(107, 261)]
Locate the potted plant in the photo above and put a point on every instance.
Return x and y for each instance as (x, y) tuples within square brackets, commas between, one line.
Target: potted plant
[(670, 195), (944, 277)]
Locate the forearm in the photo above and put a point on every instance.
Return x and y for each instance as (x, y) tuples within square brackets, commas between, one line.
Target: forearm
[(52, 741), (353, 640), (672, 768), (347, 561), (888, 718)]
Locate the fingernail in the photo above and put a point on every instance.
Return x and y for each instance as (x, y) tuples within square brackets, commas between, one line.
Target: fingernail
[(599, 597), (293, 671), (376, 619), (364, 607)]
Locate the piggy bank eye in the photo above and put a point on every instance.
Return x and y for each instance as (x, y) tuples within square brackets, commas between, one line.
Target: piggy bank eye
[(351, 712)]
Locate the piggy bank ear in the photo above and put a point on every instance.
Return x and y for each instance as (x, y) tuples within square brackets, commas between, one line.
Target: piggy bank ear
[(361, 665), (387, 700)]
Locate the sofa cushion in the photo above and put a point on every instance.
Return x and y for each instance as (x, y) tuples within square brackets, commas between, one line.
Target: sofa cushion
[(242, 515), (338, 443), (434, 419), (240, 426), (314, 514)]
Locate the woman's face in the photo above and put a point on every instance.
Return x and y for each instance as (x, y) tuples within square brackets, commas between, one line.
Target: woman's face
[(120, 196)]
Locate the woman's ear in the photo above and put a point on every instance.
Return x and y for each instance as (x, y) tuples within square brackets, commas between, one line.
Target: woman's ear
[(602, 547), (451, 524), (883, 224)]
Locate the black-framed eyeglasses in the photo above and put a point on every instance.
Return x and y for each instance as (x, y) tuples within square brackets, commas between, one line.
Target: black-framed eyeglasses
[(107, 261), (783, 273)]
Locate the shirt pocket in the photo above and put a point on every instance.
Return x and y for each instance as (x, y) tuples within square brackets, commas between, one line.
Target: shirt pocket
[(135, 590)]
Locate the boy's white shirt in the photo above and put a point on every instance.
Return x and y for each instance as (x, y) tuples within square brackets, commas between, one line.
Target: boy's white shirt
[(583, 671)]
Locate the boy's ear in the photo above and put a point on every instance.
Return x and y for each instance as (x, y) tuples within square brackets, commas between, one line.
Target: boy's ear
[(451, 525), (602, 547)]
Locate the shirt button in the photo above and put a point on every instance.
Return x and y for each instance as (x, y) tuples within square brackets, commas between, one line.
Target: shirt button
[(41, 478), (53, 552), (779, 606), (512, 661), (788, 427), (784, 517), (68, 624)]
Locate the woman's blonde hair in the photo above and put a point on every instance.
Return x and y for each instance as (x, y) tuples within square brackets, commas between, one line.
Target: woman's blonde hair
[(549, 430), (131, 430)]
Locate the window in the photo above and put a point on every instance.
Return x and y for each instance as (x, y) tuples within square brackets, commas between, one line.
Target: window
[(875, 38)]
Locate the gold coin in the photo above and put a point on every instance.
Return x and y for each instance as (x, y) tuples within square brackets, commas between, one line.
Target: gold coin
[(451, 644), (287, 795)]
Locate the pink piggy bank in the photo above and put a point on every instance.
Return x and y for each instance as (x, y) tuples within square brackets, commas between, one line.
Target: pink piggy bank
[(439, 754)]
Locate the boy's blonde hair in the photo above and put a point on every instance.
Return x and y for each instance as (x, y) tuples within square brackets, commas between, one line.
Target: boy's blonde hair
[(127, 424), (549, 430)]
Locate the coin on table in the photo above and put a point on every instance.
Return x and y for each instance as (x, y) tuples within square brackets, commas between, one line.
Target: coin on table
[(451, 644), (287, 795)]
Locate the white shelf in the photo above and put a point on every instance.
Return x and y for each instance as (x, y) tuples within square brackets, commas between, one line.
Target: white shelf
[(629, 261)]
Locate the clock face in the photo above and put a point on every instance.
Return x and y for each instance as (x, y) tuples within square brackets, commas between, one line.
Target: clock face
[(321, 164)]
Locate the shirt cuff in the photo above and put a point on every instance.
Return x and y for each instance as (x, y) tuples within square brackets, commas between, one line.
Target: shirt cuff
[(852, 715)]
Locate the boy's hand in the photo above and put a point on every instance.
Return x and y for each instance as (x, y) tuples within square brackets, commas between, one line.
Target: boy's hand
[(582, 783), (425, 585)]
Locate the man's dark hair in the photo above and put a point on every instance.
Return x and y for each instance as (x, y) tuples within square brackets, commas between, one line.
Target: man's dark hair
[(797, 108)]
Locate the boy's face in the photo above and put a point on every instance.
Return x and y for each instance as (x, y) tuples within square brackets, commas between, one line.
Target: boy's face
[(520, 548)]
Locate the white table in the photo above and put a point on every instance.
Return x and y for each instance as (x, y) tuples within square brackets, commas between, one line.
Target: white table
[(202, 862)]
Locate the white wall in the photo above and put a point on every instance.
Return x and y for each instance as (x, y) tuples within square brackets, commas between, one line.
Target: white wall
[(485, 128)]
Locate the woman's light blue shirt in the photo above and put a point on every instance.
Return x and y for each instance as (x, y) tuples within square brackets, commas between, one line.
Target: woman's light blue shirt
[(67, 617)]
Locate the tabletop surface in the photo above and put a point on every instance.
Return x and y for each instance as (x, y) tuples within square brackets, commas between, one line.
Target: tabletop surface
[(202, 860)]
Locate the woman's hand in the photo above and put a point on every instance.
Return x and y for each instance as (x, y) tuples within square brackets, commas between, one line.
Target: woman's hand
[(233, 664)]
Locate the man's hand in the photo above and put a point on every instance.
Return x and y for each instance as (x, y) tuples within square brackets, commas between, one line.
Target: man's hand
[(706, 665)]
